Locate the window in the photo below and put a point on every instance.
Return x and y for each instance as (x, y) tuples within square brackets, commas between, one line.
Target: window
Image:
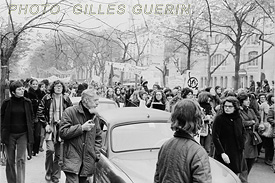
[(217, 59), (254, 39), (140, 136), (251, 55)]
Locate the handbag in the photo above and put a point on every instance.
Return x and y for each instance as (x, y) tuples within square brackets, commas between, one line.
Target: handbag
[(3, 157), (268, 130), (265, 128), (256, 139)]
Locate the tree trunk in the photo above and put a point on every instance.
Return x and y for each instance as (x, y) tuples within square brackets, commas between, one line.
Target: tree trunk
[(122, 77), (136, 80), (237, 66), (4, 79), (208, 69), (102, 77), (189, 59), (164, 79)]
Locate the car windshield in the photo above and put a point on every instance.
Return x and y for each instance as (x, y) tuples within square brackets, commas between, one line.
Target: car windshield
[(140, 136)]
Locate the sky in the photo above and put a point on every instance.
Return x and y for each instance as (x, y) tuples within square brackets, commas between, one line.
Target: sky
[(92, 14)]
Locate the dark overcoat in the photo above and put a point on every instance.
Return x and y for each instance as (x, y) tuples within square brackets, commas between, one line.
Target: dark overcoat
[(228, 137)]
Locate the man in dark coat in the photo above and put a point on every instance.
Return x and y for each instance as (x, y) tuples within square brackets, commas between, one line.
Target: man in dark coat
[(81, 133)]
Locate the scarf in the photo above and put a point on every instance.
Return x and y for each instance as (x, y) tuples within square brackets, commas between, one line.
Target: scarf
[(56, 110)]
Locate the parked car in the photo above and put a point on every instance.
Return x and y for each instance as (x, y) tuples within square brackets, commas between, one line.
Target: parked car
[(104, 103), (132, 138)]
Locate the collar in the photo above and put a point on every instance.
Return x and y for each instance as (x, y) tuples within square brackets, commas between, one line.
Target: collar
[(184, 134), (79, 107)]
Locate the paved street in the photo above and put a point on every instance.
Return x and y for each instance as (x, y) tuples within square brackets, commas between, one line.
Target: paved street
[(260, 173)]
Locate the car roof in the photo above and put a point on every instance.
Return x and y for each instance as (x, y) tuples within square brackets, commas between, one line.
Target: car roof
[(101, 100), (133, 114)]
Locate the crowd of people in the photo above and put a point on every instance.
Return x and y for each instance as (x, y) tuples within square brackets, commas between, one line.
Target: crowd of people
[(233, 129)]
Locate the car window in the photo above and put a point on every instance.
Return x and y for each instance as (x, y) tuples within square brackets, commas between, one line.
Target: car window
[(106, 105), (103, 105), (140, 136)]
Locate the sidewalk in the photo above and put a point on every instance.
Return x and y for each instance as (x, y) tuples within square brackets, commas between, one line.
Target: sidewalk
[(35, 170)]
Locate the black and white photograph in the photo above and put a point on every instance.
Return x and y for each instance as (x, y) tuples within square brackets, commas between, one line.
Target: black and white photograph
[(137, 91)]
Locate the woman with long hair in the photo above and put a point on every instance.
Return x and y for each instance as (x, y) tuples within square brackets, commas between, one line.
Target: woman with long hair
[(158, 100), (204, 99), (49, 113), (120, 99), (35, 95)]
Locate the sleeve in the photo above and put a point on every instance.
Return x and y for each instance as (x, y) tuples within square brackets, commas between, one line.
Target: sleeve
[(270, 116), (200, 167), (98, 140), (245, 121), (3, 112), (67, 130), (216, 135), (156, 176), (254, 118), (69, 101), (32, 114), (41, 112)]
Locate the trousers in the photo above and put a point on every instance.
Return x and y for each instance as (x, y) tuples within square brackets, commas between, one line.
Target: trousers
[(16, 158), (53, 170), (74, 178)]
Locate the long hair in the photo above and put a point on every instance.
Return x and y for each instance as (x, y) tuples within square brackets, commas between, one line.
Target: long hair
[(204, 97), (163, 99), (56, 83), (187, 116)]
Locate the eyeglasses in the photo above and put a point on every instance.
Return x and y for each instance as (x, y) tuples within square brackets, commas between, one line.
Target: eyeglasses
[(228, 106), (58, 86)]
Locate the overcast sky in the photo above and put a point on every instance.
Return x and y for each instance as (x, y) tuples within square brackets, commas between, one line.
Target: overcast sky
[(93, 14), (88, 13)]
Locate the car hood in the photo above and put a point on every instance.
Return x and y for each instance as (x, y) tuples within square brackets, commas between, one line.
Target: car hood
[(140, 167), (221, 173)]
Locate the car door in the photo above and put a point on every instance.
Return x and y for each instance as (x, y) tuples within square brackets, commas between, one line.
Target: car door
[(106, 171)]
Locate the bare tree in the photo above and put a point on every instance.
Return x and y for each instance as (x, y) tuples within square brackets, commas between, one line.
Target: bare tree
[(10, 38), (238, 20), (184, 33), (131, 39), (164, 70)]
